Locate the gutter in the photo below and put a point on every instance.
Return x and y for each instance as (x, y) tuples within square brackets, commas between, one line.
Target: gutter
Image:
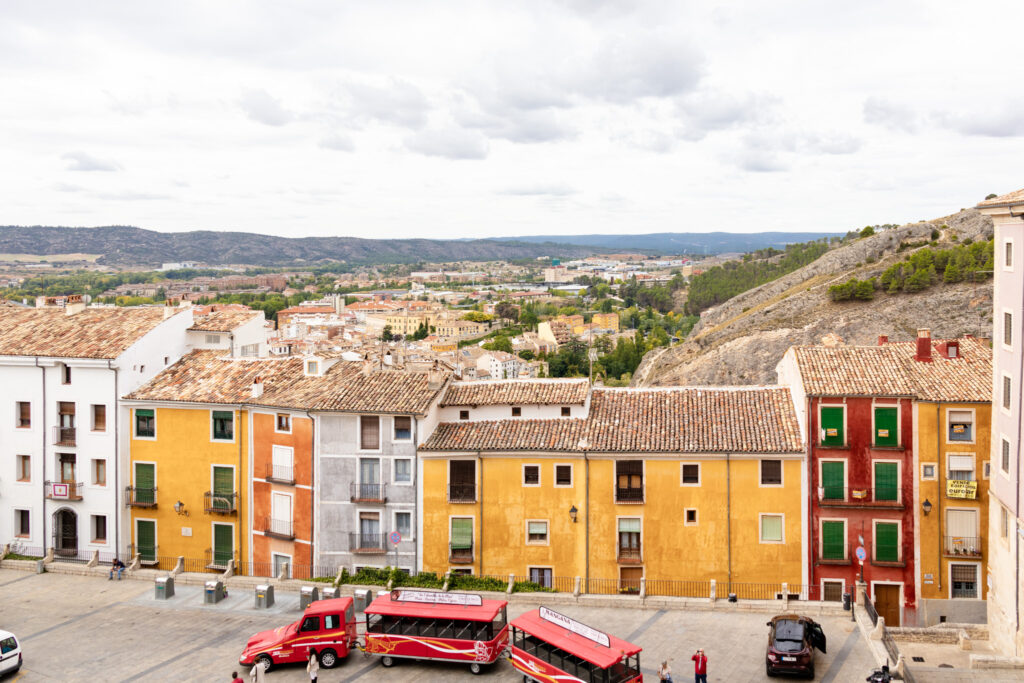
[(312, 486), (480, 459), (940, 466), (117, 465)]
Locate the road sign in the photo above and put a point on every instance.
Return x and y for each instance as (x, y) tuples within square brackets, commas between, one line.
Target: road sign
[(395, 537), (861, 554)]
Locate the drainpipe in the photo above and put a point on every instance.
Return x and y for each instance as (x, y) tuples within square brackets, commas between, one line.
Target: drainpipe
[(238, 422), (312, 486), (413, 523), (942, 469), (42, 415), (728, 516), (586, 531), (117, 466), (480, 493), (810, 495)]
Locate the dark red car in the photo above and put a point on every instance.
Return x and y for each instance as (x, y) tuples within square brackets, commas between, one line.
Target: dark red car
[(792, 640)]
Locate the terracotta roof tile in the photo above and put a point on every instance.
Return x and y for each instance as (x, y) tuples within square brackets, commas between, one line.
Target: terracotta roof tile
[(507, 435), (517, 392), (1010, 198), (966, 378), (92, 333), (852, 371), (223, 321)]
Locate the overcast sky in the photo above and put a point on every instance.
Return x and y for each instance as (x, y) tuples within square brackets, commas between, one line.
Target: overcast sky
[(460, 119)]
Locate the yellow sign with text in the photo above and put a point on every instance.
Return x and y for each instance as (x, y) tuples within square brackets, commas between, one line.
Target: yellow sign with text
[(961, 489)]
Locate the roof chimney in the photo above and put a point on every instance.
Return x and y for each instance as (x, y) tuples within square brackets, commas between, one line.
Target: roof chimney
[(924, 345), (257, 387), (883, 339)]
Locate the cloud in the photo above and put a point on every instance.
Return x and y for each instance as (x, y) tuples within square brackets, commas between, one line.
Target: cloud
[(80, 161), (450, 143), (522, 126), (761, 161), (642, 64), (648, 139), (130, 196), (398, 102), (339, 142), (1003, 120), (700, 113), (263, 108), (541, 190), (882, 112), (68, 187)]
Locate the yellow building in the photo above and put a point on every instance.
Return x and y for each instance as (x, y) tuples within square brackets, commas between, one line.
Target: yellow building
[(667, 485), (407, 323), (606, 321)]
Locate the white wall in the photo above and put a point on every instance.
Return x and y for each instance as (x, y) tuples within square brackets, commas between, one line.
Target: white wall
[(504, 412)]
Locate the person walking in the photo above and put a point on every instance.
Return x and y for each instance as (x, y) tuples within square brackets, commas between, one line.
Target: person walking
[(313, 665), (665, 672), (235, 678), (700, 667), (258, 672)]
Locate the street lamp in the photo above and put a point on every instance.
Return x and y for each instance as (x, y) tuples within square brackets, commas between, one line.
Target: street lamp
[(179, 507), (572, 513), (926, 506)]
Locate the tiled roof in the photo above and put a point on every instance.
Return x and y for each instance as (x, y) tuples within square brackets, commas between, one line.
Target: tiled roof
[(517, 392), (212, 377), (223, 321), (966, 378), (507, 435), (92, 333), (1016, 197), (852, 371)]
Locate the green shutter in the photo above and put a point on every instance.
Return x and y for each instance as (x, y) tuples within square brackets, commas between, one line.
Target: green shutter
[(832, 433), (887, 542), (833, 536), (145, 538), (222, 544), (145, 482), (144, 421), (886, 433), (886, 478), (462, 534), (833, 480), (223, 487)]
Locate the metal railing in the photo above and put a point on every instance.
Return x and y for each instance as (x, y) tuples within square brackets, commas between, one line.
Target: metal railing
[(63, 436), (962, 546), (602, 586), (830, 496), (629, 555), (224, 503), (64, 490), (629, 494), (140, 497), (679, 589), (280, 528), (282, 474), (461, 493), (756, 591), (869, 607), (219, 559), (366, 543), (460, 555), (558, 584), (72, 555), (369, 493), (147, 553)]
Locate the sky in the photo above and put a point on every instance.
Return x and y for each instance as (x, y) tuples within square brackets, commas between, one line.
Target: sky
[(470, 119)]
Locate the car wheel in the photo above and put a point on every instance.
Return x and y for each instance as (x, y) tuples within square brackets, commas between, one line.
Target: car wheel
[(810, 671), (328, 659), (475, 668), (387, 661), (266, 661), (768, 671)]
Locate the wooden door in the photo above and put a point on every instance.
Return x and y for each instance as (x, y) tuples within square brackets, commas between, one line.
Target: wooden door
[(887, 604), (629, 579)]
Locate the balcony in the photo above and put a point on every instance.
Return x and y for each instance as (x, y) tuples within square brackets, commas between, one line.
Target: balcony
[(221, 503), (369, 493), (461, 493), (220, 559), (63, 490), (629, 495), (370, 544), (278, 528), (460, 555), (629, 555), (962, 546), (280, 474), (137, 497), (63, 436), (854, 497), (147, 553)]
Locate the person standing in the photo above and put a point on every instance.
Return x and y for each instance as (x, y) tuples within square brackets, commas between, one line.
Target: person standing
[(235, 678), (258, 672), (700, 667), (313, 665), (665, 672)]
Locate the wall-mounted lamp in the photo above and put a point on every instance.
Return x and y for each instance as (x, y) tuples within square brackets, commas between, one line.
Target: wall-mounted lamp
[(572, 513), (179, 507), (926, 506)]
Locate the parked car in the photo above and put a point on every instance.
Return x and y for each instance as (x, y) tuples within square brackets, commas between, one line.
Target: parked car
[(328, 626), (10, 653), (792, 640)]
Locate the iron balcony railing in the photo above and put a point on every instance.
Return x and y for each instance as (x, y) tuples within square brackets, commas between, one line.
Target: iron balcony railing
[(366, 543), (460, 555), (369, 493), (461, 493), (629, 494), (629, 555), (279, 528), (843, 496), (221, 502), (147, 553), (963, 546), (63, 436), (282, 474), (140, 497), (64, 490)]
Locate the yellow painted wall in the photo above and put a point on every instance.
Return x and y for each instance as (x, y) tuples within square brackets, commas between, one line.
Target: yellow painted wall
[(184, 456), (934, 560)]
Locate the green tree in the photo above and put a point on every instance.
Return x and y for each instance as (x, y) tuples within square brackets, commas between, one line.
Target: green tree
[(499, 343), (386, 334), (867, 231)]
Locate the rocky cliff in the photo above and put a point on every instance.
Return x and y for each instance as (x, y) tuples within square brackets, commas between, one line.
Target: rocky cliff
[(741, 340)]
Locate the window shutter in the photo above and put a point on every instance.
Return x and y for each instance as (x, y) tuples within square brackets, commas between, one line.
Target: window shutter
[(886, 427), (223, 487), (886, 478), (886, 543), (462, 534), (832, 427), (145, 536), (629, 526), (833, 541), (771, 471), (771, 528), (222, 544), (145, 480), (369, 432), (961, 463), (538, 528), (832, 479)]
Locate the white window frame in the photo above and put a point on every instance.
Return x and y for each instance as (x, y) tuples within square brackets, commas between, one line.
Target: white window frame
[(986, 470), (974, 464), (1002, 385), (1002, 328), (213, 537), (412, 526), (899, 477), (889, 583), (472, 519), (846, 538), (394, 472), (899, 539), (234, 426), (830, 579), (782, 474), (274, 553), (760, 527), (700, 474), (283, 431), (974, 427), (934, 474), (92, 473), (977, 578), (234, 479), (846, 427), (898, 405), (572, 475), (1013, 254), (359, 434), (211, 339), (547, 536), (1009, 450), (530, 567), (14, 522), (394, 419), (291, 505), (696, 517), (643, 544), (156, 531), (540, 477), (156, 426), (92, 530), (156, 472), (92, 418), (846, 476)]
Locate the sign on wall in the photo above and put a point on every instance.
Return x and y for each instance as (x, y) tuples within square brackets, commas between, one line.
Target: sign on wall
[(956, 488)]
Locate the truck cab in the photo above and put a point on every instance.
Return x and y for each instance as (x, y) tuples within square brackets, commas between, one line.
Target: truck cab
[(327, 626)]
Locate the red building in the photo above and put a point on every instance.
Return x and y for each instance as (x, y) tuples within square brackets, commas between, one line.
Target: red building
[(858, 417)]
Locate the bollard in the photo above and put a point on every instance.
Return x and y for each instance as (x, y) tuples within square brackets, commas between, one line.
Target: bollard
[(264, 596), (214, 592), (164, 587), (307, 596)]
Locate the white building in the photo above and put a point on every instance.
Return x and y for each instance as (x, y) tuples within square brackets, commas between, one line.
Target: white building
[(499, 364), (62, 451)]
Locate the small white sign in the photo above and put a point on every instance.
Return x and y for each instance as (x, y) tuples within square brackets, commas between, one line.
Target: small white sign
[(186, 531), (575, 626), (437, 598)]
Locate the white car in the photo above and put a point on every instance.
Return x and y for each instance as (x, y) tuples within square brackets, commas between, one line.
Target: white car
[(10, 653)]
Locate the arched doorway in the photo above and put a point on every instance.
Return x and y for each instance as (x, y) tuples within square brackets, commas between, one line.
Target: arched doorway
[(65, 532)]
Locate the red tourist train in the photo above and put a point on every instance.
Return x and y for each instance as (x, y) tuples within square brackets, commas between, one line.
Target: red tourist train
[(552, 648), (450, 627)]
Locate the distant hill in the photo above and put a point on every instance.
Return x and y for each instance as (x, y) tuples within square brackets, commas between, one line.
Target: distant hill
[(683, 242), (125, 245)]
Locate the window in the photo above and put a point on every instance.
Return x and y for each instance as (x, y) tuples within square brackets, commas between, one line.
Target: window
[(332, 622), (250, 350), (771, 528), (690, 474), (690, 517), (541, 576), (24, 468), (771, 473), (213, 339), (403, 524), (833, 479), (403, 428), (283, 423), (961, 467), (65, 376), (99, 528), (462, 538), (886, 426), (99, 418), (99, 472), (531, 475), (536, 532), (369, 432), (1005, 460), (986, 469), (629, 538), (1008, 255), (832, 591), (563, 475), (312, 368), (833, 432), (223, 488), (1004, 523), (887, 481), (964, 580), (310, 624), (462, 481), (961, 425), (1008, 328), (24, 414), (223, 425), (629, 481), (1006, 392), (833, 540), (463, 414), (928, 471), (22, 523), (566, 412), (403, 471), (887, 548), (145, 423), (517, 411)]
